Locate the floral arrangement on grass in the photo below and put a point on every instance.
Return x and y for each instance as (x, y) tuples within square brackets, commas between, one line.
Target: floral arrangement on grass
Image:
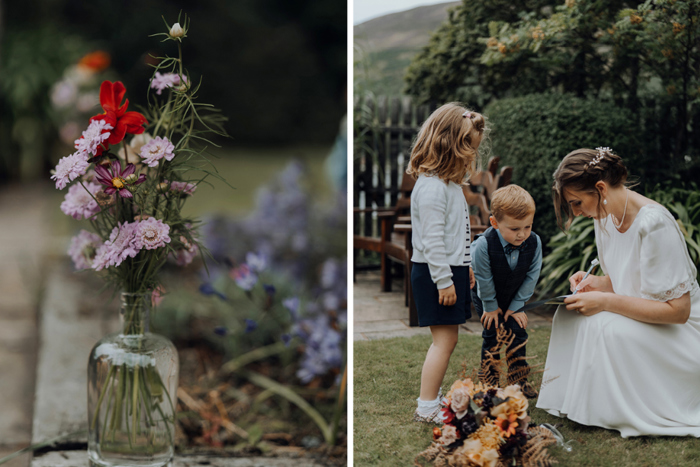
[(486, 425)]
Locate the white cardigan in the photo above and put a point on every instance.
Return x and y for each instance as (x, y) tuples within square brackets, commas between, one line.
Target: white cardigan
[(439, 216)]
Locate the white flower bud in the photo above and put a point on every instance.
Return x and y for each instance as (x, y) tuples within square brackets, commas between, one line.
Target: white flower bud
[(131, 178), (163, 187), (176, 31)]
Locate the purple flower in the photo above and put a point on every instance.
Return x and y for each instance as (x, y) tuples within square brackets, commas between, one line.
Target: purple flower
[(250, 325), (93, 137), (165, 80), (115, 178), (121, 245), (256, 262), (323, 351), (69, 168), (244, 277), (183, 187), (79, 202), (83, 248), (151, 234), (286, 338), (155, 150), (269, 289), (292, 304), (221, 331)]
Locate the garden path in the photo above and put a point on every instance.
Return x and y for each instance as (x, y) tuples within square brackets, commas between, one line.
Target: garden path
[(382, 315)]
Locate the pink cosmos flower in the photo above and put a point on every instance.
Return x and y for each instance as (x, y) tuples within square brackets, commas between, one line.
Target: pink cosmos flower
[(183, 187), (121, 245), (115, 178), (157, 149), (151, 234), (82, 249), (166, 80), (69, 168), (93, 138), (79, 202)]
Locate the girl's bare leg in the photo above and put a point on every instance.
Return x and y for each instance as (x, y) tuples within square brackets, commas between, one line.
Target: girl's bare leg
[(437, 359)]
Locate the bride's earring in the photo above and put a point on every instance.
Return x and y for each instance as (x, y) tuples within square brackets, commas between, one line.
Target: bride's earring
[(605, 201)]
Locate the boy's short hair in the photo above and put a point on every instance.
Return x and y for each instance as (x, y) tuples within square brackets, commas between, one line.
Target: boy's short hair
[(513, 201)]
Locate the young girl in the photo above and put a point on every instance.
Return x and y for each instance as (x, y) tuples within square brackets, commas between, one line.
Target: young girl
[(443, 153)]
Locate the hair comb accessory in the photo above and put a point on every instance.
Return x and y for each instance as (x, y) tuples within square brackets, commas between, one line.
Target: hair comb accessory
[(601, 153), (467, 114)]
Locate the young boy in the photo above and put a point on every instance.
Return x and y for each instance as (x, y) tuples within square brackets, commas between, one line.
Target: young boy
[(506, 260)]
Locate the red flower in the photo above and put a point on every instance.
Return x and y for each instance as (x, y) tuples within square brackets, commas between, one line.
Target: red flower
[(447, 415), (123, 122)]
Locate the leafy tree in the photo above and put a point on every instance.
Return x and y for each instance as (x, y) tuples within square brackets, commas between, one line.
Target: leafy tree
[(448, 68)]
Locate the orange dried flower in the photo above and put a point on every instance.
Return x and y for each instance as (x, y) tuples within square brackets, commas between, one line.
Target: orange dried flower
[(635, 19), (502, 48), (507, 425), (678, 27), (492, 42)]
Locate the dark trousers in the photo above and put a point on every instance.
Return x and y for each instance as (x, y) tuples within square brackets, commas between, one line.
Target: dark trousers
[(518, 369)]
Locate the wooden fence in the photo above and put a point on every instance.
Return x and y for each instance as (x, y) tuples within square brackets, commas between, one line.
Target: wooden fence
[(384, 131)]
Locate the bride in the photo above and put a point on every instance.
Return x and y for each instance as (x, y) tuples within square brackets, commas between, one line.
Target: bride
[(625, 351)]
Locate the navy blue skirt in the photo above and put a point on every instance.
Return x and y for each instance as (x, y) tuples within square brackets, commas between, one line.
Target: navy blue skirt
[(426, 295)]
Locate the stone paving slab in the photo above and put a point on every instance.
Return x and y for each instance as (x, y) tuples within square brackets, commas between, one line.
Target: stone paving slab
[(69, 328), (80, 459)]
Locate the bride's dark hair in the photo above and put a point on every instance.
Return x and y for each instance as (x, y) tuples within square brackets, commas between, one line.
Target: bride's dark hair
[(580, 170)]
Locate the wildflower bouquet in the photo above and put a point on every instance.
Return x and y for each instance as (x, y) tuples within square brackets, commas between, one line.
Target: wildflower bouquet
[(129, 178), (487, 426)]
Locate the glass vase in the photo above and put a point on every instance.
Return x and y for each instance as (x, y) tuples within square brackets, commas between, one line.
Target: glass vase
[(132, 384)]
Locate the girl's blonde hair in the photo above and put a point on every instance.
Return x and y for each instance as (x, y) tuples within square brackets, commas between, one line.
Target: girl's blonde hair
[(580, 170), (444, 143)]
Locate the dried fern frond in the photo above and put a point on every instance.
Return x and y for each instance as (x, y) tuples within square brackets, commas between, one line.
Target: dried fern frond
[(435, 454), (534, 453)]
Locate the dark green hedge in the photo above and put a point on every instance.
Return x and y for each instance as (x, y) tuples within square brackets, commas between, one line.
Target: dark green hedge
[(533, 134)]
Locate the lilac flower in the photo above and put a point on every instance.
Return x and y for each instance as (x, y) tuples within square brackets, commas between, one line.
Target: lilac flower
[(121, 245), (155, 150), (250, 325), (244, 277), (151, 234), (82, 249), (79, 202), (115, 178), (256, 262), (323, 350), (208, 289), (69, 168), (292, 304), (165, 80), (183, 187), (96, 134)]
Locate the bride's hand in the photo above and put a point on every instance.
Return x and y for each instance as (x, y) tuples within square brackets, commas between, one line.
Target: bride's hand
[(586, 303), (590, 284)]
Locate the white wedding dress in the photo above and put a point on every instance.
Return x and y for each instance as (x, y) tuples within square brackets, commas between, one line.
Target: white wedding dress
[(614, 372)]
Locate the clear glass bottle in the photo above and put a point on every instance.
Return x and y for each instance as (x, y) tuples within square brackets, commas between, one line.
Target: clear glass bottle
[(132, 384)]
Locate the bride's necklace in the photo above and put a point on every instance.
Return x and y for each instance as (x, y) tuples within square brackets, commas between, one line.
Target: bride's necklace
[(617, 226)]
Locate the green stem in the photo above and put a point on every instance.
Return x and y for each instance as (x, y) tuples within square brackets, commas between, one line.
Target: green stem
[(102, 395)]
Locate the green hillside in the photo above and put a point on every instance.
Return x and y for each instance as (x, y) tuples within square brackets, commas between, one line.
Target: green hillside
[(384, 46)]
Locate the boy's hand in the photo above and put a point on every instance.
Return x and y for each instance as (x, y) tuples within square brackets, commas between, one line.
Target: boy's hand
[(489, 317), (448, 296), (520, 318), (472, 279)]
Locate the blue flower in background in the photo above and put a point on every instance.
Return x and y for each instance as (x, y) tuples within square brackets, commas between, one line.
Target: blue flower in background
[(269, 289), (257, 262), (250, 325), (208, 289), (221, 331), (292, 304)]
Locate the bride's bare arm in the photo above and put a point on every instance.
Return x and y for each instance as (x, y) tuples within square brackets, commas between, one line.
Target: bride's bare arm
[(674, 311)]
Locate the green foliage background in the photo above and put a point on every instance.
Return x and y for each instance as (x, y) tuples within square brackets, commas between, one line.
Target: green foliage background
[(533, 134)]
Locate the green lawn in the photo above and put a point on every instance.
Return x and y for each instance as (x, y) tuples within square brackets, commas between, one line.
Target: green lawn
[(387, 382)]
